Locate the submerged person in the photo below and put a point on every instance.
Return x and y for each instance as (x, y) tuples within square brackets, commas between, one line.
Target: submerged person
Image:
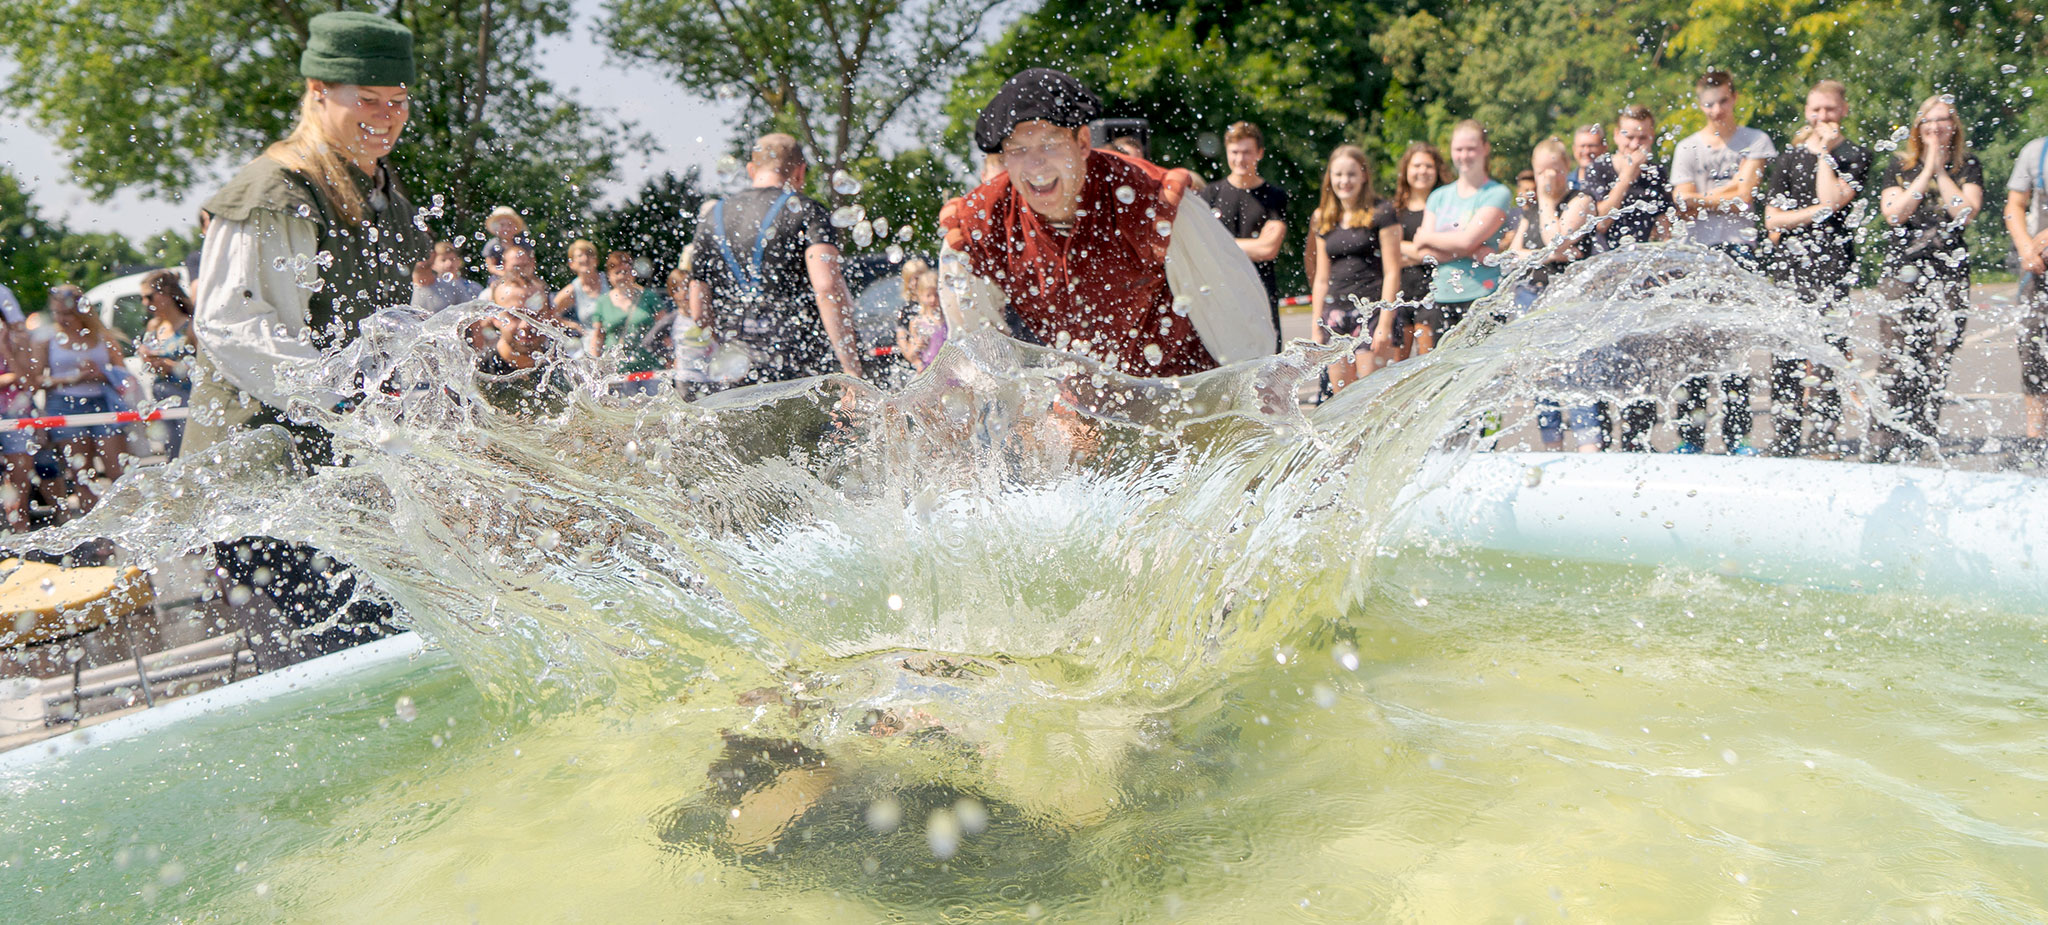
[(1813, 250), (767, 272), (1931, 190), (308, 239), (1091, 251)]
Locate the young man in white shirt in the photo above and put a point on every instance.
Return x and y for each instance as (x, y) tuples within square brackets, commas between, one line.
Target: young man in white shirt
[(1715, 173)]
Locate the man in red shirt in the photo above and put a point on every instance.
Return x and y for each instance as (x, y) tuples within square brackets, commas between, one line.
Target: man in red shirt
[(1090, 251)]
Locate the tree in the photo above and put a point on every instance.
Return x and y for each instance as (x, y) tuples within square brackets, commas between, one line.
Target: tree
[(37, 253), (160, 95), (833, 73), (656, 224)]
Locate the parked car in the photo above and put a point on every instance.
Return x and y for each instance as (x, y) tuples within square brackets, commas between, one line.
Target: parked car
[(119, 302), (876, 283)]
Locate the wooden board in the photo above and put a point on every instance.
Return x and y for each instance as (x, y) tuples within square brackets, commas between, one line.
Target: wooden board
[(40, 602)]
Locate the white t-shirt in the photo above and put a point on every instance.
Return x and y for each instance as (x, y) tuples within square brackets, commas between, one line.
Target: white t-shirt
[(2027, 178), (1709, 167), (10, 307)]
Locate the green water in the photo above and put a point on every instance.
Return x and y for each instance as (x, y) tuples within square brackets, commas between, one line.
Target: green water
[(1519, 740)]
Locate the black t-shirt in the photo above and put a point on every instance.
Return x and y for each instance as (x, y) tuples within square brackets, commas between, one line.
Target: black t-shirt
[(1531, 232), (1929, 239), (778, 317), (1415, 279), (1245, 213), (1648, 197), (1819, 257), (1355, 263)]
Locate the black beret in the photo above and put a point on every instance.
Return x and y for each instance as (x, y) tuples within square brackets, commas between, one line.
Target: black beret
[(1041, 94)]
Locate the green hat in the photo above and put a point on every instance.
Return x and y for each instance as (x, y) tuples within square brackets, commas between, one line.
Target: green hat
[(357, 48)]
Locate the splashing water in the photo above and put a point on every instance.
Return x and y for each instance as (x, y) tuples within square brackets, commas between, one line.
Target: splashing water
[(1033, 636)]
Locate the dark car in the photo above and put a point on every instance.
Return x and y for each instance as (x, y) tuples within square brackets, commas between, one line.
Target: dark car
[(876, 283)]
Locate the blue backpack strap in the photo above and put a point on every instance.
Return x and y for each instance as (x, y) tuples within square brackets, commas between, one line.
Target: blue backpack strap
[(767, 222), (2041, 169), (739, 273)]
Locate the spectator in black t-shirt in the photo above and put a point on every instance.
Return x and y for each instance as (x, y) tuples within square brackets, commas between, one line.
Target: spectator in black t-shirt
[(1358, 261), (767, 273), (1419, 172), (1813, 250), (1588, 143), (1629, 189), (1930, 192), (1253, 210)]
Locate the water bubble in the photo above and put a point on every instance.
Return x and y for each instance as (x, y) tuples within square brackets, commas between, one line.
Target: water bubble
[(895, 602), (729, 168), (2008, 69), (972, 815), (547, 540), (884, 815), (406, 711), (49, 585), (1153, 354), (849, 215), (905, 233), (845, 184), (1346, 655), (1126, 195), (1181, 304), (863, 235), (1324, 695), (171, 874), (1164, 227), (281, 264), (895, 253), (942, 834)]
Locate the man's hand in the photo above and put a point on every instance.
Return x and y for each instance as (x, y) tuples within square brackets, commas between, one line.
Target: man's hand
[(1824, 136), (423, 273), (1627, 167)]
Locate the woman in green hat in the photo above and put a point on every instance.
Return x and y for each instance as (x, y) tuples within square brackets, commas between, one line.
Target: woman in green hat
[(307, 240)]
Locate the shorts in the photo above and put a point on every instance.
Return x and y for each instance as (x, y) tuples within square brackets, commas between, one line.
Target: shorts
[(2033, 334), (1441, 316), (63, 405)]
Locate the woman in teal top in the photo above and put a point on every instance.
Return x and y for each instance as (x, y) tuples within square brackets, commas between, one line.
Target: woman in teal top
[(623, 319), (1462, 226)]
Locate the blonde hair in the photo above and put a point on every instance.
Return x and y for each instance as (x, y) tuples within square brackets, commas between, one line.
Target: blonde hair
[(319, 158), (1472, 125), (1832, 88), (580, 246), (1330, 212), (1552, 145), (914, 270), (1956, 152)]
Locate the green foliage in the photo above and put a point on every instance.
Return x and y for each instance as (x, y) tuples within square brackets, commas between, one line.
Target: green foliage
[(833, 73), (1384, 74), (37, 253), (656, 224), (906, 189), (159, 95)]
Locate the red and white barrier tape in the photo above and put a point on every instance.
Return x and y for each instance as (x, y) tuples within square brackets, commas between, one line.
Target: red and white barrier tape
[(90, 420)]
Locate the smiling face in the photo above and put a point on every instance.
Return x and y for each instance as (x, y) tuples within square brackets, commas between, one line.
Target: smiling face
[(518, 263), (447, 264), (1243, 155), (1422, 173), (1047, 165), (1347, 179), (583, 262), (1468, 153), (1588, 146), (364, 121), (1937, 126)]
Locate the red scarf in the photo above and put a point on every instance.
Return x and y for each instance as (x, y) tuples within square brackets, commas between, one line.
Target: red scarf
[(1102, 282)]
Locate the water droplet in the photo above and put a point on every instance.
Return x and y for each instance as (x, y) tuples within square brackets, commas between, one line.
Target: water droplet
[(863, 235), (845, 184), (1153, 354), (2008, 69), (1325, 696), (1181, 304), (972, 815), (895, 602), (884, 815), (729, 168), (49, 585), (849, 215), (1164, 227), (1126, 195), (905, 233), (942, 834), (1346, 656), (406, 711), (895, 253)]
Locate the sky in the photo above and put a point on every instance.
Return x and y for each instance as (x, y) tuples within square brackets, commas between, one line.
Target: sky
[(690, 131)]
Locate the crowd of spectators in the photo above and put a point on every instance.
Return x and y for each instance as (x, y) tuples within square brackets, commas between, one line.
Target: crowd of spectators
[(1399, 273)]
